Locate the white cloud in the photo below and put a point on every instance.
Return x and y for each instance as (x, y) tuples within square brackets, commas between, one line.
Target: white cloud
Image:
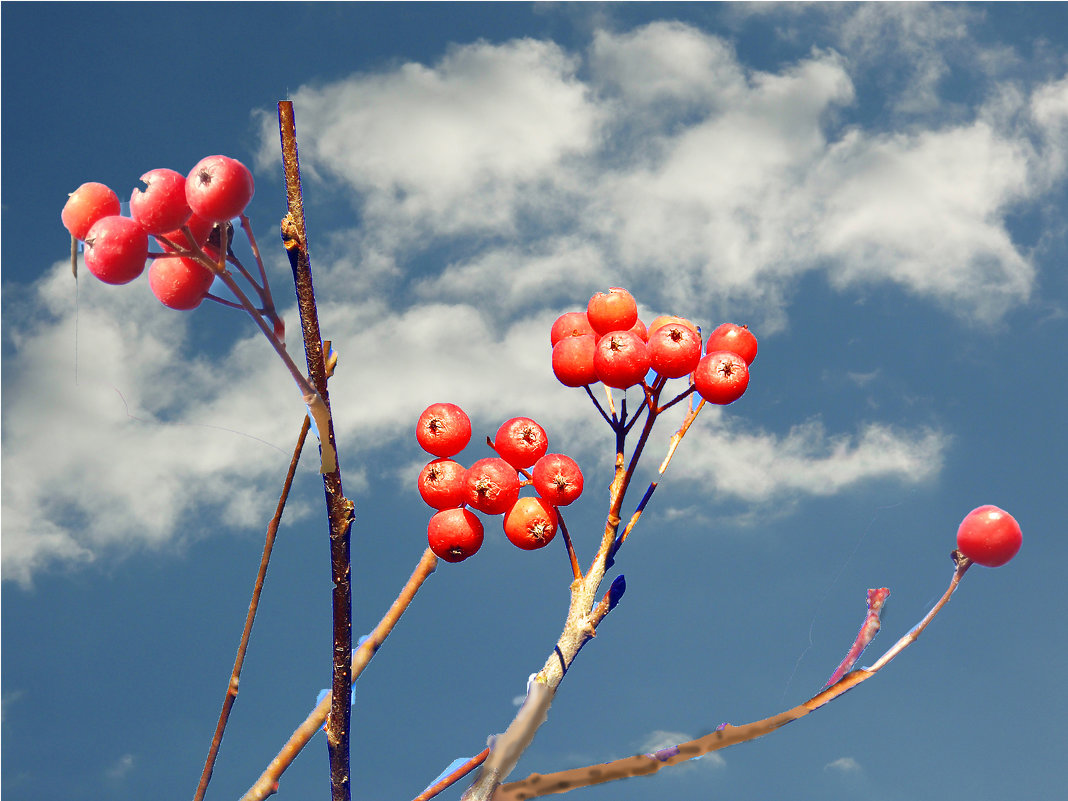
[(656, 161), (451, 146), (757, 467), (844, 766), (121, 767), (661, 739)]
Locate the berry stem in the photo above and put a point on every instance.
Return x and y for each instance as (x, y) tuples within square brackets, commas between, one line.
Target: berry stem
[(597, 404)]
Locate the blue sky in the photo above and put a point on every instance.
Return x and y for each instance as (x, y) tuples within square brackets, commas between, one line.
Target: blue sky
[(879, 191)]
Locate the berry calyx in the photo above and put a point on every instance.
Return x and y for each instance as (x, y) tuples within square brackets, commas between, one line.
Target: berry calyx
[(179, 282), (454, 534), (989, 536), (161, 207), (573, 360), (116, 249), (219, 188), (621, 359), (444, 429), (557, 479), (85, 205), (569, 324), (674, 350), (521, 442), (441, 484), (491, 485), (614, 310), (530, 523), (721, 377), (734, 338)]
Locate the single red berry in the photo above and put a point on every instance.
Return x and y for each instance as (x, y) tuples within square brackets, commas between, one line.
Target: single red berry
[(491, 485), (87, 204), (664, 319), (557, 478), (116, 249), (734, 338), (161, 207), (441, 484), (621, 359), (530, 523), (521, 442), (200, 229), (721, 377), (219, 188), (454, 534), (989, 536), (614, 310), (640, 331), (179, 282), (674, 350), (573, 360), (569, 324), (444, 429)]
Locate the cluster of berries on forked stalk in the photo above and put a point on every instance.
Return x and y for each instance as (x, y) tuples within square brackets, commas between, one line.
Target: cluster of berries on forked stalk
[(190, 217), (492, 485)]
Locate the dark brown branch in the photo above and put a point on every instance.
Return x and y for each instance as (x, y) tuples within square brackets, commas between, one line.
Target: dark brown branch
[(339, 509), (235, 676)]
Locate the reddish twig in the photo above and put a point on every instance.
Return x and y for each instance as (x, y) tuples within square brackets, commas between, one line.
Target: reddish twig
[(537, 785), (235, 676)]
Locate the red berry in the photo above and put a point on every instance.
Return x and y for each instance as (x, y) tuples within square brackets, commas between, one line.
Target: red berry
[(179, 282), (734, 338), (557, 478), (443, 429), (530, 523), (116, 249), (674, 350), (573, 360), (721, 377), (521, 442), (989, 536), (569, 324), (200, 229), (664, 319), (621, 359), (87, 204), (219, 188), (640, 331), (441, 484), (491, 485), (161, 207), (454, 534), (614, 310)]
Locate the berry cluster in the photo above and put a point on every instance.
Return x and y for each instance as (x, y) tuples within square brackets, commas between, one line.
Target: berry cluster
[(180, 211), (609, 344), (491, 485)]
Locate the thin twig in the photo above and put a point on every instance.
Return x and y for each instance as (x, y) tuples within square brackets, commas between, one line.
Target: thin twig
[(235, 676), (446, 782), (537, 785)]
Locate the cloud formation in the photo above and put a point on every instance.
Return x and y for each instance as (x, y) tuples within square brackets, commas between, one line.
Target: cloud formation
[(493, 188)]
